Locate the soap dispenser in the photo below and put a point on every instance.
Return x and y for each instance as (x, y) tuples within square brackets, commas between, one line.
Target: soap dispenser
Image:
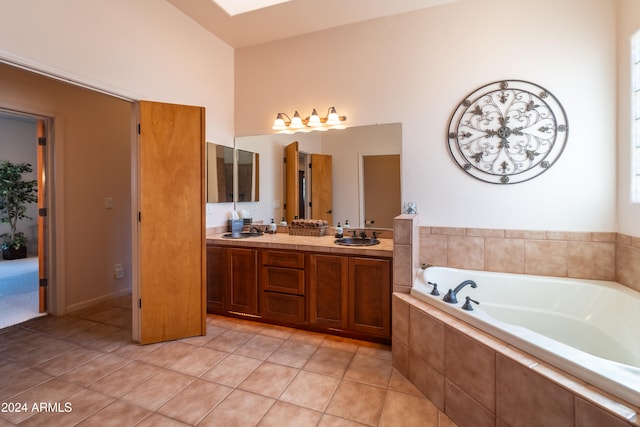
[(283, 222), (273, 228), (346, 224), (339, 231)]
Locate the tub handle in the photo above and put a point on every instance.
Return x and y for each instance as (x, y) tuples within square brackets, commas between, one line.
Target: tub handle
[(434, 291), (467, 305)]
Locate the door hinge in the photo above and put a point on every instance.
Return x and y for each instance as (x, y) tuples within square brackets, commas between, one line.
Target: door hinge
[(284, 206), (309, 165), (139, 302), (139, 216), (43, 283), (138, 128), (310, 205), (42, 140), (42, 212)]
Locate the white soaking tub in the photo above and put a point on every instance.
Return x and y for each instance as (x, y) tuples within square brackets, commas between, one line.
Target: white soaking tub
[(588, 328)]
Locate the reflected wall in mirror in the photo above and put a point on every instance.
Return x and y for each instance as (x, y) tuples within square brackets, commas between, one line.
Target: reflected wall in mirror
[(248, 176), (349, 150), (219, 173)]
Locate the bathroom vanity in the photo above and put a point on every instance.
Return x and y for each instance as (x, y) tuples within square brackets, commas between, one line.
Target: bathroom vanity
[(303, 282)]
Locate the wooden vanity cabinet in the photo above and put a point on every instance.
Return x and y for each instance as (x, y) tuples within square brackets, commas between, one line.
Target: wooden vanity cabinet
[(342, 294), (282, 285), (232, 280), (349, 293)]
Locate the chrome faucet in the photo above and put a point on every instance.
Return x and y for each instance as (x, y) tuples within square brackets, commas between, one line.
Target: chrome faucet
[(451, 298)]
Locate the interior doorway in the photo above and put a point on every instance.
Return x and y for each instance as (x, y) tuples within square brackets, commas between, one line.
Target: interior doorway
[(24, 138)]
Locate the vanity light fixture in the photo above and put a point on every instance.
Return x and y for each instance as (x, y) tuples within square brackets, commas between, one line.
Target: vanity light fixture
[(284, 124)]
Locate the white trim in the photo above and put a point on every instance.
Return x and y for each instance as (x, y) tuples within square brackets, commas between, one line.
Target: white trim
[(634, 146), (67, 76)]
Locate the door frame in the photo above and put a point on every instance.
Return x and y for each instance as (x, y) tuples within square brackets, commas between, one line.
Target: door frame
[(53, 188)]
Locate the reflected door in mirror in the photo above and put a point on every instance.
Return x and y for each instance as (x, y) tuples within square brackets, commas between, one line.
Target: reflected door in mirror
[(381, 189), (219, 173)]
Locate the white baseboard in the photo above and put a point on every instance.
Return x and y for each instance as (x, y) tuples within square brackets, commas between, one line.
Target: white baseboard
[(97, 300)]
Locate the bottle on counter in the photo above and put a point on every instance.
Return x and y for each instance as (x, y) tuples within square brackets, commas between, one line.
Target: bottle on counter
[(283, 222), (273, 228), (346, 224), (339, 231)]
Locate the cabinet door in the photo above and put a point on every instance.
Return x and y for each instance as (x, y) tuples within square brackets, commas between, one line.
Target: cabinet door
[(328, 290), (216, 278), (242, 283), (370, 296)]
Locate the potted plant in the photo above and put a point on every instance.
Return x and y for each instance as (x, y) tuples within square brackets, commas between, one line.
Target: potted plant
[(15, 195)]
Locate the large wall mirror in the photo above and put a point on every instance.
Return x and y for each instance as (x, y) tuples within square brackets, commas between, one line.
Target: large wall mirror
[(232, 175), (248, 176), (219, 173), (363, 185)]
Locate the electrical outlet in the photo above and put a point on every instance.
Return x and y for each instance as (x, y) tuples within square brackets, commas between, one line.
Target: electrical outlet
[(118, 271), (108, 202)]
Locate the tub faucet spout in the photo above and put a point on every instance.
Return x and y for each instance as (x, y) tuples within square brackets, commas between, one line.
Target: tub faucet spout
[(451, 296)]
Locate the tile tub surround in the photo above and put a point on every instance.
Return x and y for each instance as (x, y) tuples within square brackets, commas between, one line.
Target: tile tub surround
[(584, 255), (478, 380), (406, 256)]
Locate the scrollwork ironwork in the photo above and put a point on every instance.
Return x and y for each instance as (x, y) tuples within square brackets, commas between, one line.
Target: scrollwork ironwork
[(507, 132)]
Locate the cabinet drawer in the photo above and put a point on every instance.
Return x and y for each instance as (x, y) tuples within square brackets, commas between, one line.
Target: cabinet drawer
[(286, 280), (285, 307), (283, 259)]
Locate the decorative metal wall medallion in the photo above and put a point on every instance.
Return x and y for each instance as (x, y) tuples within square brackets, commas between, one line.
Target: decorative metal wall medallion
[(508, 132)]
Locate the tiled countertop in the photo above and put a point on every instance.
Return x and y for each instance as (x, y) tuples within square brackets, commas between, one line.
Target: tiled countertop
[(304, 243)]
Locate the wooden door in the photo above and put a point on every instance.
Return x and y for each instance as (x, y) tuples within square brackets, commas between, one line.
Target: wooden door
[(321, 187), (370, 296), (242, 282), (381, 189), (328, 290), (291, 181), (171, 229)]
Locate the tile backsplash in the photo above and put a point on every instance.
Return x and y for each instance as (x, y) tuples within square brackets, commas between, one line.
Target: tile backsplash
[(585, 255)]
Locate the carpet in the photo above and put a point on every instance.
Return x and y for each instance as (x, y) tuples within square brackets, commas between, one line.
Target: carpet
[(19, 294), (18, 276)]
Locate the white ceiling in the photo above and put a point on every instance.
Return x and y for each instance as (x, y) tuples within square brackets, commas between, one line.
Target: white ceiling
[(291, 18)]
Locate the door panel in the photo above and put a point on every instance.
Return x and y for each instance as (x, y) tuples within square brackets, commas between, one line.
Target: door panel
[(242, 285), (321, 187), (172, 257), (328, 290), (381, 188), (291, 180)]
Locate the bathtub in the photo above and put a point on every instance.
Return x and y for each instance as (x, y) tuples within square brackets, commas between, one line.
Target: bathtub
[(587, 328)]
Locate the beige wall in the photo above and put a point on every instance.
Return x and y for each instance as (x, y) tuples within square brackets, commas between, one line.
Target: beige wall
[(414, 68), (92, 161), (142, 49)]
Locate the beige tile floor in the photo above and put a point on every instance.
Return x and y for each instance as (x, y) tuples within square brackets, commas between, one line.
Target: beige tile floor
[(82, 369)]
